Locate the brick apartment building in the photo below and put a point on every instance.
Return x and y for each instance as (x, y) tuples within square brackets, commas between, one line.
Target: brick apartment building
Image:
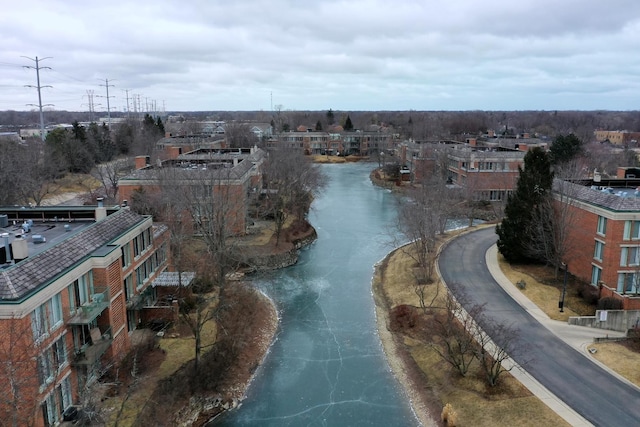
[(336, 142), (70, 280), (488, 168), (604, 233), (230, 173)]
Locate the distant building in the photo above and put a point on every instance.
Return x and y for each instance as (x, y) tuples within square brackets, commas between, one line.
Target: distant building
[(617, 137), (234, 171)]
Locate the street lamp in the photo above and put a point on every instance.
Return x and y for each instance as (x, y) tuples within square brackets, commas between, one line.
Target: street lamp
[(564, 288)]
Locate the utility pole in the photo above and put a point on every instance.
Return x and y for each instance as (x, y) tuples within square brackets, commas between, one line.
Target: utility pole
[(38, 86), (106, 85)]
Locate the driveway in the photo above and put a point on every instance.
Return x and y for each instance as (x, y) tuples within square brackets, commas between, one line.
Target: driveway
[(598, 396)]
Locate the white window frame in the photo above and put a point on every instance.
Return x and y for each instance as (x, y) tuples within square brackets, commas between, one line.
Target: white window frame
[(601, 228), (598, 250)]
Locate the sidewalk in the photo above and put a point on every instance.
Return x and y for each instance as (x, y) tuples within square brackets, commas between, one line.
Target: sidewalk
[(578, 337)]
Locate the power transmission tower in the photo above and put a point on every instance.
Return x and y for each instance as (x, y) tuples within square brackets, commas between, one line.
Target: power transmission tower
[(128, 112), (38, 86), (107, 85), (91, 104)]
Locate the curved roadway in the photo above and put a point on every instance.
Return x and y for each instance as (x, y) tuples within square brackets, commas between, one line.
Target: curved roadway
[(595, 394)]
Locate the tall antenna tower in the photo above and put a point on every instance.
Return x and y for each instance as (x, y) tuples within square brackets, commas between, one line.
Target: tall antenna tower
[(37, 67), (107, 85)]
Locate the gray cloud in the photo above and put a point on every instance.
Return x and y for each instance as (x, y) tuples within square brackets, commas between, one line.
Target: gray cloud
[(361, 54)]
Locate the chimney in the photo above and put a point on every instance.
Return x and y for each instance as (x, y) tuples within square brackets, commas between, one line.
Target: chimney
[(621, 172), (20, 249), (141, 162), (7, 248), (101, 211)]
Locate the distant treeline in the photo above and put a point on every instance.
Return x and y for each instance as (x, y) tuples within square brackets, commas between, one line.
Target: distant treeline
[(419, 125)]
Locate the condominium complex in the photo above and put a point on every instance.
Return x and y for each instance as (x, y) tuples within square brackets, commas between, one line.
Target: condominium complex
[(71, 283)]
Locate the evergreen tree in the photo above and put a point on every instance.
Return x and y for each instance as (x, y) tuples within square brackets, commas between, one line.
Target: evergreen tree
[(533, 186), (318, 126), (160, 125), (565, 148), (347, 124), (330, 117)]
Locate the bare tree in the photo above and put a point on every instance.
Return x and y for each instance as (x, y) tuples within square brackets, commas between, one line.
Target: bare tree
[(495, 349), (110, 173), (204, 308), (17, 388), (239, 135), (421, 218), (456, 330), (37, 172), (291, 181), (553, 220)]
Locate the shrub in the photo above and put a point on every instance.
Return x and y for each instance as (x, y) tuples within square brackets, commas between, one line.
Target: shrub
[(449, 416), (588, 293), (609, 303), (402, 317), (521, 284)]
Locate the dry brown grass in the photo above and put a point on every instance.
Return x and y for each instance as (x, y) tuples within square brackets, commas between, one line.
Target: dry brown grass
[(620, 358), (319, 158), (544, 290), (178, 350), (475, 404)]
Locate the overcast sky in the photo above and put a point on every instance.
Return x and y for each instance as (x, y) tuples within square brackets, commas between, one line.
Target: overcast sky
[(314, 55)]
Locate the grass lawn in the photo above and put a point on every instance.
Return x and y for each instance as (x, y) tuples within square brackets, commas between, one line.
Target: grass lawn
[(475, 403), (544, 290)]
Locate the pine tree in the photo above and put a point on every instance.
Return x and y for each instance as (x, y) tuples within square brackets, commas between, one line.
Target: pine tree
[(347, 124), (565, 148), (330, 117), (534, 184)]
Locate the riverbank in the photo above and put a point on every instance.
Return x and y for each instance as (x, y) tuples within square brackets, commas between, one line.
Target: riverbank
[(429, 382)]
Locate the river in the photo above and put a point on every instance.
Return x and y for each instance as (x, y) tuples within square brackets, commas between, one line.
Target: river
[(327, 366)]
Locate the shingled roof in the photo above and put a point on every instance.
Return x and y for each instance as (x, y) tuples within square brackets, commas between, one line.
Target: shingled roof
[(599, 198), (36, 272)]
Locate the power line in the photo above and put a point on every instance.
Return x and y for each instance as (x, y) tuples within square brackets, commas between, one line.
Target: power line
[(38, 87)]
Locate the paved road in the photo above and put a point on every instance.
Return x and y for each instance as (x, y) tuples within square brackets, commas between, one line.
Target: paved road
[(588, 389)]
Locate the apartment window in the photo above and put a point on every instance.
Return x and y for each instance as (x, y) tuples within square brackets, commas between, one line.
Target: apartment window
[(129, 291), (631, 230), (628, 282), (596, 274), (50, 361), (630, 256), (497, 195), (161, 254), (145, 271), (602, 225), (46, 318), (599, 250), (142, 241), (126, 255), (80, 291)]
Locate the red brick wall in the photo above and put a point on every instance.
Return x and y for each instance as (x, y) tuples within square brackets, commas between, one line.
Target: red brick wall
[(628, 302), (16, 347)]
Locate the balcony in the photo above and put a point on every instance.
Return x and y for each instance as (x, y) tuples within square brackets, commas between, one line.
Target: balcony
[(87, 312), (90, 353)]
